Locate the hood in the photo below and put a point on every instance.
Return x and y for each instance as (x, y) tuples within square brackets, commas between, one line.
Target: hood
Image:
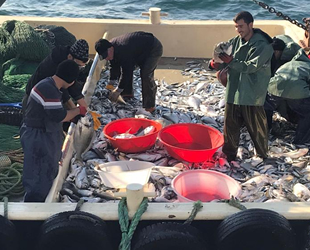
[(262, 34), (301, 56), (60, 53)]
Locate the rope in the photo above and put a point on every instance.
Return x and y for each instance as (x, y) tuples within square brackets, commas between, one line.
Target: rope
[(128, 231), (79, 205), (11, 180), (235, 203), (196, 208), (6, 207)]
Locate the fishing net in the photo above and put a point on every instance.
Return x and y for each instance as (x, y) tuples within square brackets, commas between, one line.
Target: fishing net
[(16, 81), (17, 66), (9, 138), (9, 94), (55, 35), (27, 42), (6, 48), (22, 48)]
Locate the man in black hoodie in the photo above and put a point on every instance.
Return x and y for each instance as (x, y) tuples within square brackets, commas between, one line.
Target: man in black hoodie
[(124, 53), (78, 52)]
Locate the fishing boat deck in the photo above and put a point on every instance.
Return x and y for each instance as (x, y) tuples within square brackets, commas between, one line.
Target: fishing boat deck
[(170, 68)]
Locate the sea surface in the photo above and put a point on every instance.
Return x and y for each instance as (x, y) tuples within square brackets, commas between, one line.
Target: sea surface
[(132, 9)]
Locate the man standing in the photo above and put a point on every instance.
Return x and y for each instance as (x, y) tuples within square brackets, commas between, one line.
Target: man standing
[(124, 53), (78, 52), (41, 132), (248, 77)]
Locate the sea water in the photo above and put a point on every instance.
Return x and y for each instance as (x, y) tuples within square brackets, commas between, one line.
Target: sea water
[(176, 9)]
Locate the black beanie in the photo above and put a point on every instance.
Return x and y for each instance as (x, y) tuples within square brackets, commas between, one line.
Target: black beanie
[(102, 46), (278, 44), (68, 71), (79, 50)]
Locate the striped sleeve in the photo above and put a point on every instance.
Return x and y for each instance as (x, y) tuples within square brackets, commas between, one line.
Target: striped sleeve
[(49, 97), (45, 102)]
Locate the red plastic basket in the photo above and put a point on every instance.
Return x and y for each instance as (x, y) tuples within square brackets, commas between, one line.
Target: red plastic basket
[(191, 142), (131, 145)]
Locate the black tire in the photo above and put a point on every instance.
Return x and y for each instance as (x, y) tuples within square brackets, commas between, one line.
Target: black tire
[(74, 230), (8, 235), (255, 229), (168, 236)]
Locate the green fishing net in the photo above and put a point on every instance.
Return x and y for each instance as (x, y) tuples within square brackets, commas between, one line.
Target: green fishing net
[(17, 66), (22, 48), (55, 35), (9, 137)]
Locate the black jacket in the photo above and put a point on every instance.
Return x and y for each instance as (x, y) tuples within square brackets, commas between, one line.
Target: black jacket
[(48, 68), (130, 50)]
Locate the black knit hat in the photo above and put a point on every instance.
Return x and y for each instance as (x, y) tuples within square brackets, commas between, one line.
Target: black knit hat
[(79, 50), (102, 46), (68, 71), (278, 44)]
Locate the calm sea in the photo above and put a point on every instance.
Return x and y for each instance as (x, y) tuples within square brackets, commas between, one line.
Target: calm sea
[(131, 9)]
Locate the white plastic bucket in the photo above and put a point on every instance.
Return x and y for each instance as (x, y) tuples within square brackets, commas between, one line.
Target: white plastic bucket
[(118, 174)]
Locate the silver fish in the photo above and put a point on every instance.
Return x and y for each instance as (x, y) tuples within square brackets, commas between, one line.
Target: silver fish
[(145, 156), (222, 47), (83, 136), (194, 102), (81, 180), (147, 130)]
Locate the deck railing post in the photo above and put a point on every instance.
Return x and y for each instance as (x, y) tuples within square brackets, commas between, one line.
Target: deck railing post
[(154, 14)]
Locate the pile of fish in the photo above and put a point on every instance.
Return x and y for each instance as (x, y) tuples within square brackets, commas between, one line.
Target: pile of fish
[(141, 131), (284, 176)]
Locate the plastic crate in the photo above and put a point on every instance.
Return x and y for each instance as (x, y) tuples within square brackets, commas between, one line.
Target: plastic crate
[(11, 114)]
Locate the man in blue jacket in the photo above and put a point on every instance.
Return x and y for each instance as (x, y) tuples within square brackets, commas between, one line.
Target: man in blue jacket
[(41, 132)]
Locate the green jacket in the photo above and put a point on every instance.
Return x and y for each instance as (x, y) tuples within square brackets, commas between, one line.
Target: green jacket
[(249, 71), (292, 79), (291, 48)]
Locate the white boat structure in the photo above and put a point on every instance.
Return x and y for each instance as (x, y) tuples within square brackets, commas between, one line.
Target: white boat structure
[(181, 39)]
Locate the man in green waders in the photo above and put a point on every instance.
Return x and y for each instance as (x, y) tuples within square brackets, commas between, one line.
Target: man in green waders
[(247, 81), (41, 132)]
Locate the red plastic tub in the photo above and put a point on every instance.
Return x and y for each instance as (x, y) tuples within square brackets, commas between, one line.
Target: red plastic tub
[(204, 185), (191, 142), (136, 144)]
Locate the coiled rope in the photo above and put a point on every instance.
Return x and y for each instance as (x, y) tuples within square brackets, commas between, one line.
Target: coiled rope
[(126, 229), (11, 181)]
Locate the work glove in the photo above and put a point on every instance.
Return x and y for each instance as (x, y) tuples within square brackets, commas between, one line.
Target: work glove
[(115, 94), (112, 84), (225, 58), (213, 65), (83, 110)]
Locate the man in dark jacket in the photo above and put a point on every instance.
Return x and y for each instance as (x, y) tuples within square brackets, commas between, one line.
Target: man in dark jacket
[(124, 53), (78, 52), (248, 77), (41, 132)]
